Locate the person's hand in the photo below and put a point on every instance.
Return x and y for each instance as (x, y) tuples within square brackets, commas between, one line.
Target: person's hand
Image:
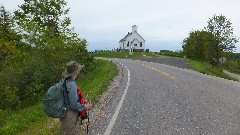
[(89, 106)]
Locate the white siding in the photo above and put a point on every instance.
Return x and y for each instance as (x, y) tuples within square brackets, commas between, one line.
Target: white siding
[(120, 45), (133, 39)]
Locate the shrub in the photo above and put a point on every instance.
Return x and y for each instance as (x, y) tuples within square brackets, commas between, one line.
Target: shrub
[(232, 65), (26, 77)]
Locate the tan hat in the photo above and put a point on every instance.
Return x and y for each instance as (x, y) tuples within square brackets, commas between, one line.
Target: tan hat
[(72, 66)]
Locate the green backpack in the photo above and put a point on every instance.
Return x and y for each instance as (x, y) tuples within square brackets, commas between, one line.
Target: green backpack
[(55, 104)]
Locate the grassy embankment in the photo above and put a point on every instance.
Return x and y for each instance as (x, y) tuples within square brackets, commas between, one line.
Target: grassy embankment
[(32, 120), (206, 68)]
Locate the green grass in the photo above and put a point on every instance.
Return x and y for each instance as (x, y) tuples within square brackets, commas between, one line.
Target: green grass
[(125, 55), (206, 68), (233, 71), (32, 120), (27, 119), (95, 83)]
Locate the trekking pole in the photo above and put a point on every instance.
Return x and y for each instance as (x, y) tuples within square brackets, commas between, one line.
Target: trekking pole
[(88, 121), (88, 115)]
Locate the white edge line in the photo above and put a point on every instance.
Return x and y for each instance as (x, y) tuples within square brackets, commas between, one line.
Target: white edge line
[(114, 117)]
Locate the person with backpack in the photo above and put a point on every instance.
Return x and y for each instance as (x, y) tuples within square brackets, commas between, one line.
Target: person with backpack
[(68, 122)]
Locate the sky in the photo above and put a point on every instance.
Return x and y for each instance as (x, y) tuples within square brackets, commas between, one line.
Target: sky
[(164, 24)]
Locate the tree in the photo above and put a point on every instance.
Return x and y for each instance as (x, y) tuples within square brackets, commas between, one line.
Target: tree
[(42, 18), (200, 45), (29, 74), (8, 37), (221, 28), (46, 26), (5, 17)]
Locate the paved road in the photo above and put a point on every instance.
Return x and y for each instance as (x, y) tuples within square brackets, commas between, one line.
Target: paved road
[(161, 100)]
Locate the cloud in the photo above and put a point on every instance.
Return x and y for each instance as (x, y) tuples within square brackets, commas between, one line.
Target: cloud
[(165, 21)]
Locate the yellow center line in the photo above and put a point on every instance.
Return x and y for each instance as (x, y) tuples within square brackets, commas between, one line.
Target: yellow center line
[(161, 72), (157, 70)]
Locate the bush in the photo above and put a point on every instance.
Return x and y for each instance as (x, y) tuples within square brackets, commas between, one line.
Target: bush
[(3, 115), (232, 65), (9, 98), (26, 77)]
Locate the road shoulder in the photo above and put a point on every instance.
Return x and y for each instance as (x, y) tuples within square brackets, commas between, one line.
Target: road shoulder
[(236, 76)]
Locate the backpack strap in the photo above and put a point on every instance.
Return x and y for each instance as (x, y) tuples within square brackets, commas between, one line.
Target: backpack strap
[(65, 92)]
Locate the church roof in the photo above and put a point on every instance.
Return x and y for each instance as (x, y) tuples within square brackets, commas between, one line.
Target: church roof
[(129, 33), (141, 36)]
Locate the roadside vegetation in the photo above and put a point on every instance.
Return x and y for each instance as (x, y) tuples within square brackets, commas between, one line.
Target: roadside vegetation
[(32, 119), (206, 68), (210, 44), (233, 63), (35, 44)]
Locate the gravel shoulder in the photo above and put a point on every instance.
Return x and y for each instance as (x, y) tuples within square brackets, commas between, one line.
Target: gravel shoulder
[(104, 109), (232, 74)]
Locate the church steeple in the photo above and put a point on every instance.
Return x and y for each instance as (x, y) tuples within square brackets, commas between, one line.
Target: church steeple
[(134, 28)]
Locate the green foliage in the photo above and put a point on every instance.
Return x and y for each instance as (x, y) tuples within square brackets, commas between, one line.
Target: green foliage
[(42, 16), (17, 121), (211, 43), (201, 45), (9, 98), (32, 120), (233, 62), (15, 77), (233, 66), (31, 71), (3, 115), (30, 75), (9, 39), (221, 28), (233, 56), (206, 68), (95, 83), (7, 48), (45, 25)]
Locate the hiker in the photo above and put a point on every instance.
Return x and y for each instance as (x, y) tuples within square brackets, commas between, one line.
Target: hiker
[(69, 122)]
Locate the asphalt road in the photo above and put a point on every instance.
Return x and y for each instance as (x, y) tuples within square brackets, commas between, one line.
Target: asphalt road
[(156, 99)]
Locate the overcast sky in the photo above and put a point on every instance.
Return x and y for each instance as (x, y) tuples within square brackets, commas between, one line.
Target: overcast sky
[(162, 23)]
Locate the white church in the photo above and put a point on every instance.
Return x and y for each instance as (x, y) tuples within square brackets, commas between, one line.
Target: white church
[(132, 41)]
